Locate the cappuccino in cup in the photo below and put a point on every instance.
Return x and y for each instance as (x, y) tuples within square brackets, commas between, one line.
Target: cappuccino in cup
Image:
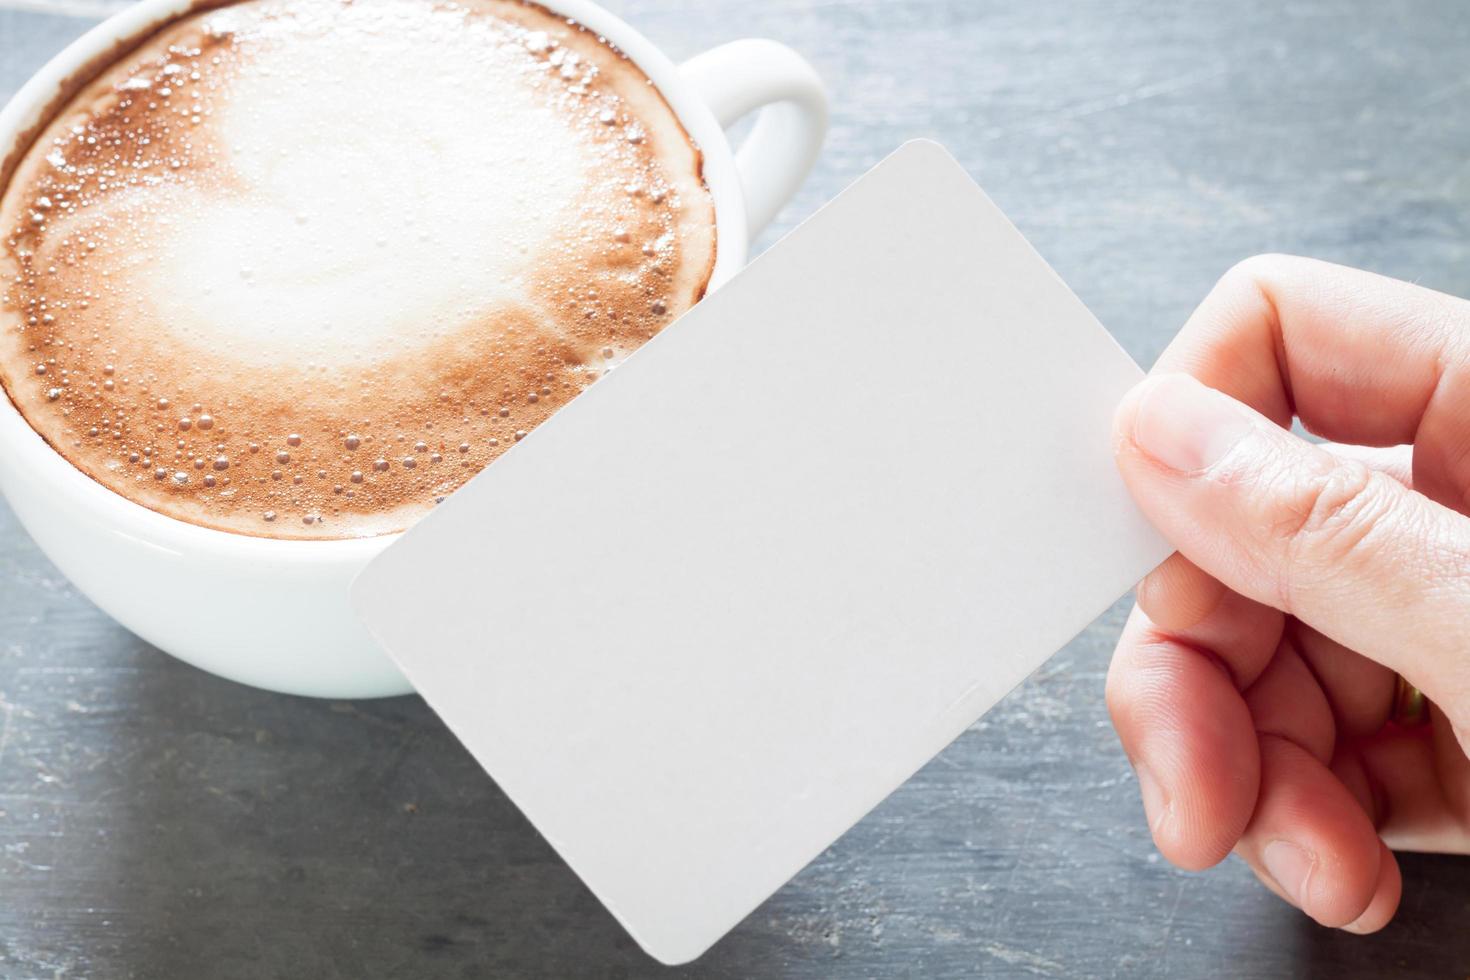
[(302, 268)]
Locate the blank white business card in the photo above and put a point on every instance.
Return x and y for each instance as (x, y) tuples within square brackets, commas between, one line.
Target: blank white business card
[(727, 600)]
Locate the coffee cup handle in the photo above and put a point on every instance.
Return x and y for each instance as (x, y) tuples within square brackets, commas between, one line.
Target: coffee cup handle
[(741, 77)]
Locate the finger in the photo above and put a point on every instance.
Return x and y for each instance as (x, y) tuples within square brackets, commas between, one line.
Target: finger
[(1349, 551), (1394, 461), (1386, 896), (1310, 839), (1359, 358), (1359, 691), (1188, 734), (1348, 767), (1287, 702), (1453, 768), (1177, 595), (1418, 810), (1382, 907), (1192, 607)]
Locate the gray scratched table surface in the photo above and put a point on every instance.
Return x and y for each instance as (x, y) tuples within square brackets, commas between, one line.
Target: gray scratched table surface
[(157, 822)]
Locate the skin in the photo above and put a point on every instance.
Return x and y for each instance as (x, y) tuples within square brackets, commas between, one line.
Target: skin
[(1253, 685)]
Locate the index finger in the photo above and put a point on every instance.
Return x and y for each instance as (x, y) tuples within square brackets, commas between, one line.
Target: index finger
[(1358, 357)]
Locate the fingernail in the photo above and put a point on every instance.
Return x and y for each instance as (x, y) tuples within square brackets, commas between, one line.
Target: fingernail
[(1155, 803), (1186, 426), (1291, 867)]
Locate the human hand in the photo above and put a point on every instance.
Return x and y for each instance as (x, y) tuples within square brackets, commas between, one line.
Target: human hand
[(1254, 684)]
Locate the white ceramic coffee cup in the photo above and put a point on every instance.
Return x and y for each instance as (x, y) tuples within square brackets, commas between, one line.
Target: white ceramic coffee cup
[(275, 614)]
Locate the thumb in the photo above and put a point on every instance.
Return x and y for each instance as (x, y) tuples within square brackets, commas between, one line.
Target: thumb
[(1347, 550)]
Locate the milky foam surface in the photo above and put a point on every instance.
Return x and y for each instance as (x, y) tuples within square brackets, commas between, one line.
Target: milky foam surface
[(422, 203), (301, 268)]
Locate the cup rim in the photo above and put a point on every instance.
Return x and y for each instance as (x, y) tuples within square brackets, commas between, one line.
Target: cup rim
[(24, 451)]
